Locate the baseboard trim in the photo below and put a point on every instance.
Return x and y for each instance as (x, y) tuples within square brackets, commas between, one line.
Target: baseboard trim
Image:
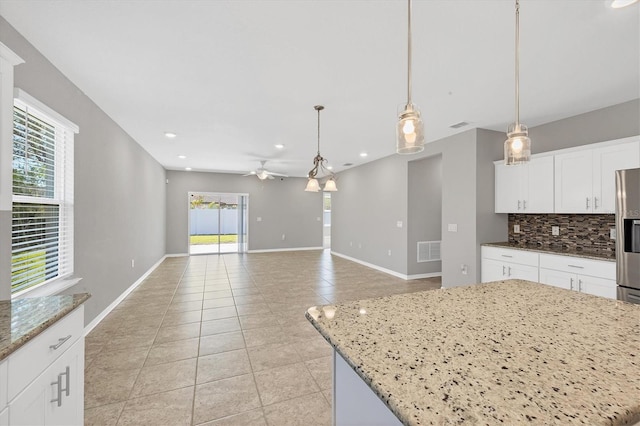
[(108, 309), (387, 271), (285, 249), (176, 255)]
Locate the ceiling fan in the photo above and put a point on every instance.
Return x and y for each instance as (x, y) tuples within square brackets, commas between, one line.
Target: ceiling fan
[(263, 173)]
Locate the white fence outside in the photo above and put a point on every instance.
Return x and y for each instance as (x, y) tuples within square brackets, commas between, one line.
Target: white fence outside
[(205, 221)]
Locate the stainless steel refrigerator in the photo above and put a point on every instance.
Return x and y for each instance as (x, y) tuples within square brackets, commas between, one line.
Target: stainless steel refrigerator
[(628, 234)]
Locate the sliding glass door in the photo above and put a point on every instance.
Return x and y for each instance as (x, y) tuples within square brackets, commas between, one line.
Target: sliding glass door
[(217, 223)]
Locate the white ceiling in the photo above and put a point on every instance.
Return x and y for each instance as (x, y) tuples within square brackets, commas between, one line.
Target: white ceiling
[(234, 78)]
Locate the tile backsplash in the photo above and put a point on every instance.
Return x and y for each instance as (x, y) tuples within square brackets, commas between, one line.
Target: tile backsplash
[(577, 231)]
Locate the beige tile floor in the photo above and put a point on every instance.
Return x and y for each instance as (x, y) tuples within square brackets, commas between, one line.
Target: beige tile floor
[(222, 340)]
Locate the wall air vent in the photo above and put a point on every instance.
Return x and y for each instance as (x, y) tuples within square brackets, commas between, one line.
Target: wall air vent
[(458, 125), (428, 251)]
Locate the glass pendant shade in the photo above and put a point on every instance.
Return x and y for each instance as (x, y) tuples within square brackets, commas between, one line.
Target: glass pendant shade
[(312, 185), (330, 186), (409, 131), (517, 147)]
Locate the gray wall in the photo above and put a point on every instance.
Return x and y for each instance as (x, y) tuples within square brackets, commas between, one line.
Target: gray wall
[(614, 122), (424, 215), (117, 184), (365, 232), (283, 205), (371, 199)]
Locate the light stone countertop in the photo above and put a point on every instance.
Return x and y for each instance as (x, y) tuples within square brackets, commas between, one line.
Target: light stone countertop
[(508, 352), (23, 319), (561, 251)]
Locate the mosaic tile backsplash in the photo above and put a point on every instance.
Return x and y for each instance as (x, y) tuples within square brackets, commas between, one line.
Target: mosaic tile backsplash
[(588, 232)]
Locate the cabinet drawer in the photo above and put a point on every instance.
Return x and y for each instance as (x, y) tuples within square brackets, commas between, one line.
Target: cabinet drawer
[(34, 357), (579, 265), (521, 257)]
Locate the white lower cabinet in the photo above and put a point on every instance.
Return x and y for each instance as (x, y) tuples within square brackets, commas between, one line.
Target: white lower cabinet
[(508, 264), (56, 397), (44, 379), (584, 275)]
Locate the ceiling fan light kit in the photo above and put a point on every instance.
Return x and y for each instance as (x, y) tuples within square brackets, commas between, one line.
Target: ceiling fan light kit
[(320, 167)]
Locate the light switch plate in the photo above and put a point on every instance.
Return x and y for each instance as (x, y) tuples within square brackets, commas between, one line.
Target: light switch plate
[(612, 233), (555, 230), (399, 224), (516, 229), (452, 227)]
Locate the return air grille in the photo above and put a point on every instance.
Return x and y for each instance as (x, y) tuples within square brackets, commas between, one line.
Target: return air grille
[(428, 251)]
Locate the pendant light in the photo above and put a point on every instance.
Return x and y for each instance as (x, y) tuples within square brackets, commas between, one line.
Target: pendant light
[(517, 147), (409, 130), (319, 165)]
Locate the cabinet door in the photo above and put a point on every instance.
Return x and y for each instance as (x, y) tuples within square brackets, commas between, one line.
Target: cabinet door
[(63, 379), (508, 183), (573, 182), (492, 270), (560, 279), (522, 272), (605, 163), (538, 197), (597, 286)]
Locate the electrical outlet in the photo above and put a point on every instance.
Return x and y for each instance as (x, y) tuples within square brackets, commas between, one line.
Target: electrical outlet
[(389, 252), (555, 230), (612, 233), (283, 237), (133, 263), (399, 224), (464, 269), (516, 229), (259, 219)]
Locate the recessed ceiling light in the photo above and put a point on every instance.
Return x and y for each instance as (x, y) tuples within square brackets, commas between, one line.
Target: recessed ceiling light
[(363, 154), (617, 4), (170, 135), (182, 157), (279, 146), (188, 169)]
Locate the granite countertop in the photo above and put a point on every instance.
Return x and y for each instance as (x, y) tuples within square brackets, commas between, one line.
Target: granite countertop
[(508, 352), (563, 251), (23, 319)]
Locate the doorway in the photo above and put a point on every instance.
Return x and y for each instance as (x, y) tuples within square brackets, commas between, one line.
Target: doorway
[(217, 223), (326, 220)]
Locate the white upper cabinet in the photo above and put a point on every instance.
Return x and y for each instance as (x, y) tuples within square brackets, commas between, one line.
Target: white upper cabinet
[(525, 188), (585, 179)]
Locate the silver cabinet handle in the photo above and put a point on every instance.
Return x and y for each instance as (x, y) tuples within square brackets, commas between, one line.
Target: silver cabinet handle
[(587, 203), (504, 270), (67, 381), (60, 342), (595, 203), (506, 255), (579, 285), (59, 385), (575, 266), (524, 204), (509, 271), (518, 204), (571, 284)]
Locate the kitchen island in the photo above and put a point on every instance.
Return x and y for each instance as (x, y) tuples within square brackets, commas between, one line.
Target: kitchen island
[(507, 352)]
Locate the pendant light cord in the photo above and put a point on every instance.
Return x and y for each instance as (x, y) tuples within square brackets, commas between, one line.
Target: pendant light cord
[(517, 129), (409, 53), (318, 109)]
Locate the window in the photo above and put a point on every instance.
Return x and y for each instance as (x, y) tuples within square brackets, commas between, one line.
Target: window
[(42, 201)]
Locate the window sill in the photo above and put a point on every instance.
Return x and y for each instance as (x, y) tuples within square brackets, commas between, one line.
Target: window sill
[(49, 289)]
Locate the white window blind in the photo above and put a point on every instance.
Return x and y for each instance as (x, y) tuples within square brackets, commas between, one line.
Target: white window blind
[(42, 210)]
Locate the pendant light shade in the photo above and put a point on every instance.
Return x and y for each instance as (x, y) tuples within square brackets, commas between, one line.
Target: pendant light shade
[(410, 129), (517, 147), (319, 167)]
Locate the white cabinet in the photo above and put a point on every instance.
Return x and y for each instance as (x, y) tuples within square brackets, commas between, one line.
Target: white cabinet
[(585, 178), (525, 188), (584, 275), (56, 396), (508, 264), (45, 377)]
